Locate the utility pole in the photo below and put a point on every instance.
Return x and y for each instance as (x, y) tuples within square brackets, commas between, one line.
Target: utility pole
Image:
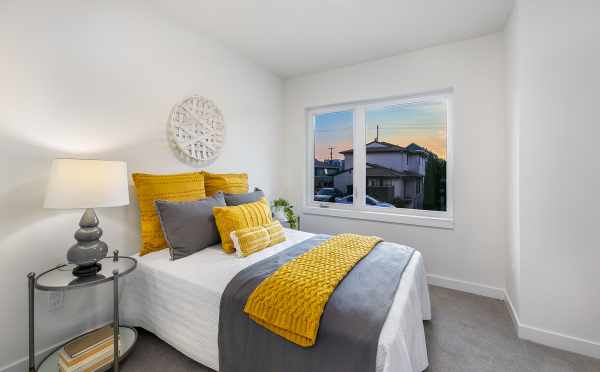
[(331, 152)]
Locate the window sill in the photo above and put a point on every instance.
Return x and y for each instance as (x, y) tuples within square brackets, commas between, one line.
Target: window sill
[(398, 218)]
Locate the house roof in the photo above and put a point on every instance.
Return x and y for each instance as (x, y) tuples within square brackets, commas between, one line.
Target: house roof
[(413, 147), (380, 146), (375, 170)]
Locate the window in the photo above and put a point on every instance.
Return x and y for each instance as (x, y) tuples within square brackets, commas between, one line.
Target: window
[(382, 159), (333, 176)]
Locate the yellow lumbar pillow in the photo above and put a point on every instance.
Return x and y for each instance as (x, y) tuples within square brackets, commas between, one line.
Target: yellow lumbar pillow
[(254, 239), (229, 183), (151, 187), (250, 240), (239, 217), (276, 234)]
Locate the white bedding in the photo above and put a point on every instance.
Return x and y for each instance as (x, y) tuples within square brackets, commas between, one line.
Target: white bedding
[(179, 302)]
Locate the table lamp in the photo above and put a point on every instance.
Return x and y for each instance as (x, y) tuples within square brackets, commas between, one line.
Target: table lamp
[(87, 184)]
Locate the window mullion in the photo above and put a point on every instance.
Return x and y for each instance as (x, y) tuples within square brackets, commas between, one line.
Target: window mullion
[(310, 171), (359, 177)]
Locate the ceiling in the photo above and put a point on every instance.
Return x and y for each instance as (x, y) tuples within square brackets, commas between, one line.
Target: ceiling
[(297, 37)]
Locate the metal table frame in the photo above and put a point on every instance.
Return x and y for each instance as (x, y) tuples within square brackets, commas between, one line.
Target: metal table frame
[(33, 285)]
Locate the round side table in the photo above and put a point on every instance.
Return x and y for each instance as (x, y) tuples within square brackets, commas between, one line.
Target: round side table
[(61, 278)]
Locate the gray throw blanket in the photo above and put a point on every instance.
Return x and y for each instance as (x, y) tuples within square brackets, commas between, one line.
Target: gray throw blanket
[(350, 325)]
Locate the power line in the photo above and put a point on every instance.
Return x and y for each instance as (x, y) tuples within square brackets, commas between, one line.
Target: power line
[(331, 152)]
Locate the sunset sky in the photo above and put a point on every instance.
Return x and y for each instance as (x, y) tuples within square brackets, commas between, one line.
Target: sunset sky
[(422, 123)]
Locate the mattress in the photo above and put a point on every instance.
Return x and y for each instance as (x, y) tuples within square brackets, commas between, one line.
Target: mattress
[(179, 302)]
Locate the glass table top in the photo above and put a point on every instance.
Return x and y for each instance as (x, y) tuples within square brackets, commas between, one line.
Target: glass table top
[(61, 278)]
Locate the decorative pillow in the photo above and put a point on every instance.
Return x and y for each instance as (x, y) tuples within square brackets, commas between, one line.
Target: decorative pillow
[(239, 199), (189, 226), (255, 239), (250, 240), (276, 233), (149, 188), (232, 183), (229, 219)]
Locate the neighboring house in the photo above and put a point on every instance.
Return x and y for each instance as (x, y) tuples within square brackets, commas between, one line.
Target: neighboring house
[(395, 174), (324, 171)]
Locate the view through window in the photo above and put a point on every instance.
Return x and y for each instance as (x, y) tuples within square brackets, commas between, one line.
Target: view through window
[(405, 152), (333, 133)]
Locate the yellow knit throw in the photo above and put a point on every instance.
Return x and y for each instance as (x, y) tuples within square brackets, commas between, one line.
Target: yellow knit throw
[(291, 301)]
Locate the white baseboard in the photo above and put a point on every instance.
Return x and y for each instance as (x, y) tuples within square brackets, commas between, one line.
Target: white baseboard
[(524, 331), (22, 364), (464, 286), (512, 311), (550, 338)]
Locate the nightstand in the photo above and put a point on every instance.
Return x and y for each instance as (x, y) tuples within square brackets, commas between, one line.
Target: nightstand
[(61, 278)]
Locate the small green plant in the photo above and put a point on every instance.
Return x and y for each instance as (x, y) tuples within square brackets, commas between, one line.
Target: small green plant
[(288, 210), (291, 217), (280, 203)]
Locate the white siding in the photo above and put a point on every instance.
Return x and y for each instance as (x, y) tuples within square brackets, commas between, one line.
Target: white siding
[(342, 181), (398, 184), (416, 163), (348, 159), (393, 160)]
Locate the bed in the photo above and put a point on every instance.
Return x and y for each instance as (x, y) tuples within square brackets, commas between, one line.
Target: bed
[(179, 302)]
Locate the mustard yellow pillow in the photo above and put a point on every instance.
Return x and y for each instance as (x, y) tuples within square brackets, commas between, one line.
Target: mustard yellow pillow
[(276, 234), (250, 240), (229, 219), (254, 239), (229, 183), (151, 187)]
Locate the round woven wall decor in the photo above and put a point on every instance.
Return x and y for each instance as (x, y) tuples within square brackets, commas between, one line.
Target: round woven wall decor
[(196, 130)]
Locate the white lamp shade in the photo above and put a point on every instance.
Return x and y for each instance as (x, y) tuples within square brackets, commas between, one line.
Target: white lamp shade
[(76, 183)]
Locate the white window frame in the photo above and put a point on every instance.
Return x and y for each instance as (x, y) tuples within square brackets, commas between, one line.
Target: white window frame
[(358, 209)]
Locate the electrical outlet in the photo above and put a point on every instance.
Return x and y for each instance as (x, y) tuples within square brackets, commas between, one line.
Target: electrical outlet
[(56, 300)]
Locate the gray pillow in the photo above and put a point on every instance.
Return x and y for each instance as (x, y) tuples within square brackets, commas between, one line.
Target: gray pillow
[(238, 199), (189, 226)]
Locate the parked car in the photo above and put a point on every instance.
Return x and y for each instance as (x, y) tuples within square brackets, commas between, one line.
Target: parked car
[(328, 194), (369, 200)]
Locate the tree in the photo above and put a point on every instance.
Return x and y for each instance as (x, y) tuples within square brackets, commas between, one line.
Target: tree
[(434, 190)]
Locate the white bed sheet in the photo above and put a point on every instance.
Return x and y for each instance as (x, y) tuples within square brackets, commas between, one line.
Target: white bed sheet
[(179, 302)]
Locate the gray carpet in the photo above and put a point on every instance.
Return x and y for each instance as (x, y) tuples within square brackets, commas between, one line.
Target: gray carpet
[(468, 333)]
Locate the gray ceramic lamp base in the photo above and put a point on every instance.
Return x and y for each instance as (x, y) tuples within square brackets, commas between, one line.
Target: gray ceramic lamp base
[(89, 249)]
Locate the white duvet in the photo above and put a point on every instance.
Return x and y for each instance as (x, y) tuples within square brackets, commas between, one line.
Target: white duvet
[(179, 302)]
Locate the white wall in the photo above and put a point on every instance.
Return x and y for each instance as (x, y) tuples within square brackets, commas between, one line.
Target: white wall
[(474, 250), (97, 79), (554, 59), (513, 254)]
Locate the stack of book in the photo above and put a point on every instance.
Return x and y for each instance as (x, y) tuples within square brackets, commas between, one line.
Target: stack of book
[(89, 352)]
